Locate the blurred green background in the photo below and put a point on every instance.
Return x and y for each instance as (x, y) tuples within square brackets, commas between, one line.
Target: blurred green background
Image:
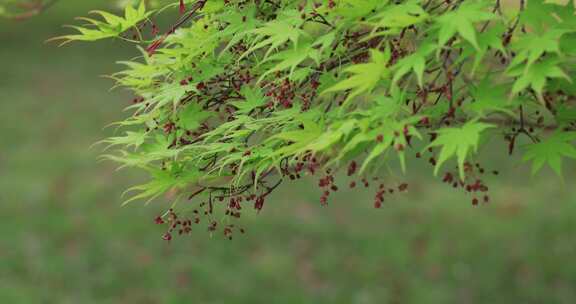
[(65, 239)]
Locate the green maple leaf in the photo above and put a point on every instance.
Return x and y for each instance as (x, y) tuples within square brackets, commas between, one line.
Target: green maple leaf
[(240, 23), (333, 134), (415, 62), (131, 139), (169, 93), (398, 16), (459, 143), (378, 150), (565, 114), (299, 139), (487, 40), (290, 59), (162, 181), (535, 76), (275, 33), (462, 21), (192, 115), (351, 10), (489, 97), (111, 26), (567, 16), (551, 151), (364, 77), (532, 46), (253, 98), (537, 14)]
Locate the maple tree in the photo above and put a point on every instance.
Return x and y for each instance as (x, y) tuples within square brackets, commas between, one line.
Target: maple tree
[(239, 96)]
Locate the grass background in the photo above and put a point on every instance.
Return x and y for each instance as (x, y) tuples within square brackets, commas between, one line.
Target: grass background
[(65, 239)]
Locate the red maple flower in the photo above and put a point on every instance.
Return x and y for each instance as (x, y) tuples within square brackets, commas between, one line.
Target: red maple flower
[(182, 7)]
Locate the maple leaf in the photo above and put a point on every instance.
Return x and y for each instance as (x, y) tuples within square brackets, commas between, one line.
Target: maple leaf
[(253, 98), (352, 10), (131, 139), (565, 115), (458, 142), (298, 139), (462, 21), (289, 59), (397, 17), (535, 76), (537, 14), (566, 15), (111, 26), (551, 151), (364, 77), (489, 39), (162, 181), (275, 33), (415, 62), (192, 116), (490, 97), (532, 46)]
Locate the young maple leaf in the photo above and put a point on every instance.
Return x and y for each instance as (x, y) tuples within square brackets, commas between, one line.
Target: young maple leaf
[(458, 142), (415, 62), (532, 46), (462, 21), (289, 59), (253, 98), (538, 14), (364, 77), (111, 25), (274, 34), (489, 98), (535, 76), (396, 17), (192, 116), (298, 139), (551, 151)]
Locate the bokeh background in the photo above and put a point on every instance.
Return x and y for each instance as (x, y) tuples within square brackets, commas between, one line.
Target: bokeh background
[(64, 238)]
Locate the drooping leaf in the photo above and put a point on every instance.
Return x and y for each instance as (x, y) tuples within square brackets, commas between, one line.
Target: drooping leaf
[(462, 21), (536, 75), (459, 143), (551, 151), (364, 77)]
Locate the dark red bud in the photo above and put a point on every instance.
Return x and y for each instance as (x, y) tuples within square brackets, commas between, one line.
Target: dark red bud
[(182, 7)]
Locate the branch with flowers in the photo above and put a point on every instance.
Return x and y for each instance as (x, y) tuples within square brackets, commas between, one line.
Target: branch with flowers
[(238, 97)]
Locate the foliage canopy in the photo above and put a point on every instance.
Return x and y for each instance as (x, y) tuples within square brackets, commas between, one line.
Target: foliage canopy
[(238, 96)]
